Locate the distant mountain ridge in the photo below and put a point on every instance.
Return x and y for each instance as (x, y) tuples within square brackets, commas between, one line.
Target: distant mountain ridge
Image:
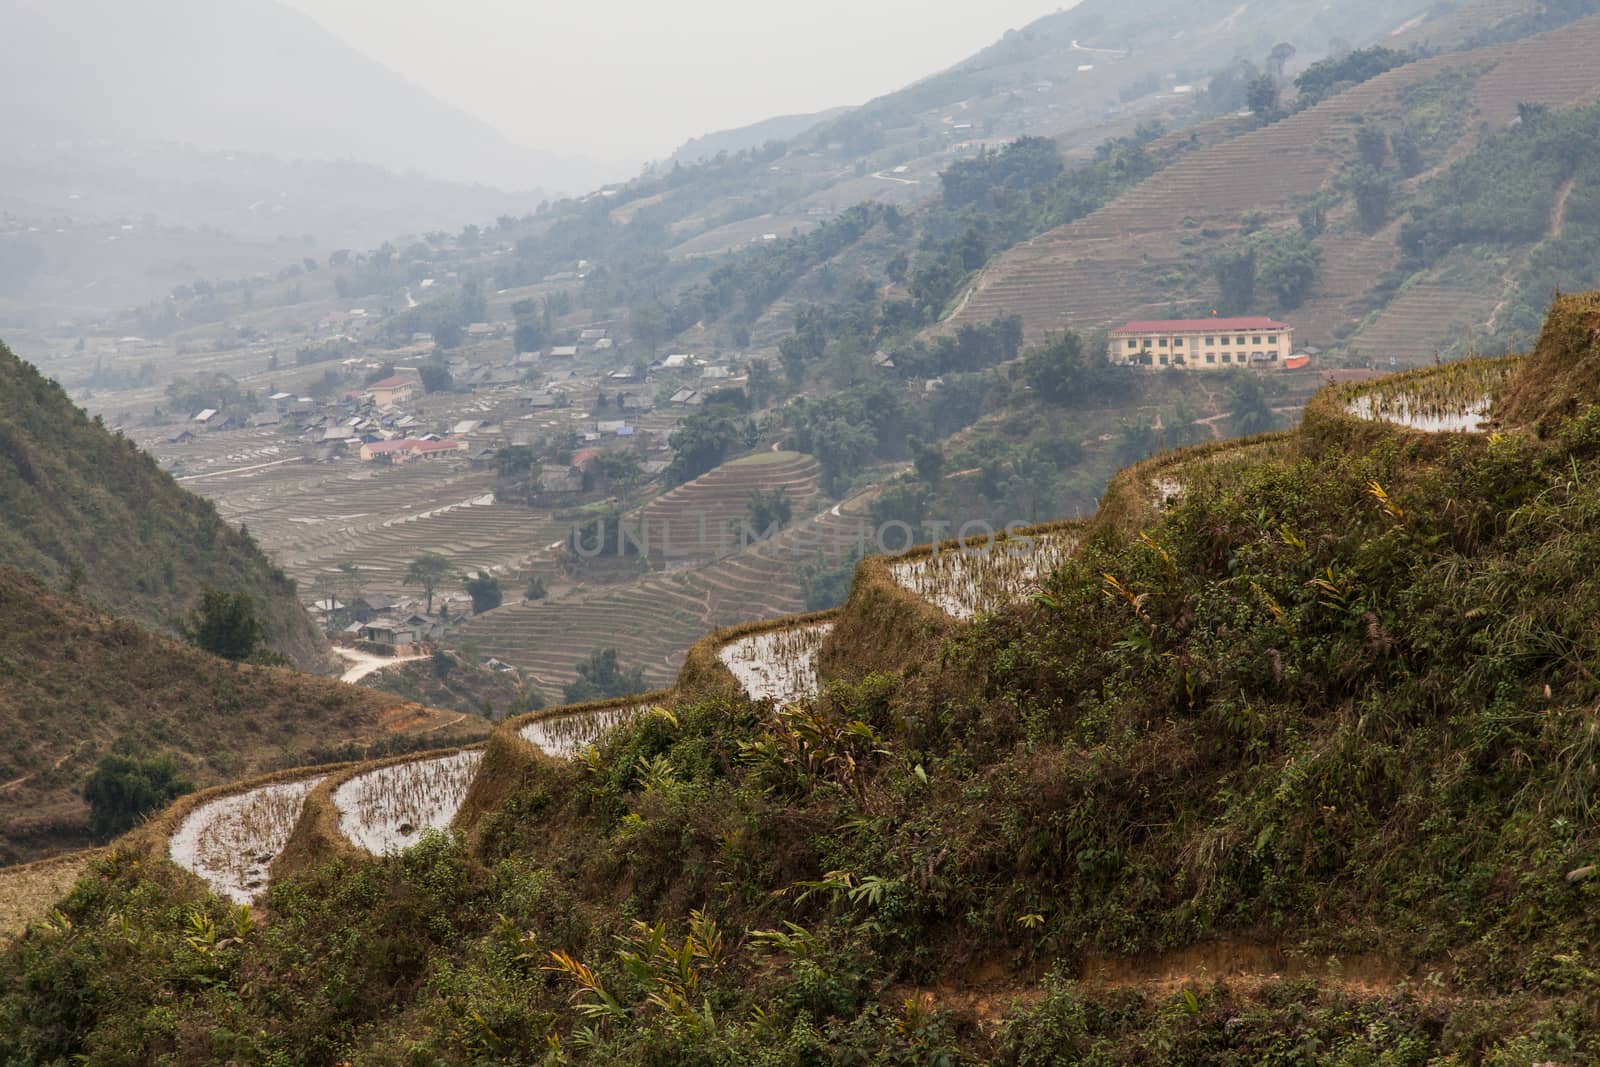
[(246, 75), (780, 128)]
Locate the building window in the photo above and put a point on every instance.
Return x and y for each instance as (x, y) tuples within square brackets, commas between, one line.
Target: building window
[(1212, 341), (1272, 340), (1256, 341), (1132, 344), (1226, 358), (1272, 357), (1163, 361), (1225, 342), (1211, 357), (1241, 340)]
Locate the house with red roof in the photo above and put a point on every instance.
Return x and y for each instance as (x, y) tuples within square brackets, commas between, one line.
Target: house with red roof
[(404, 450), (400, 389), (1203, 344)]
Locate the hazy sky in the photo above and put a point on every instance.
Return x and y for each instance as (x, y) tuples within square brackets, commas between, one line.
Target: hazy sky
[(630, 80)]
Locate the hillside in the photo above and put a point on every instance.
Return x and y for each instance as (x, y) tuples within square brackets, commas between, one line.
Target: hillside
[(744, 138), (1287, 755), (1149, 251), (73, 682), (84, 509)]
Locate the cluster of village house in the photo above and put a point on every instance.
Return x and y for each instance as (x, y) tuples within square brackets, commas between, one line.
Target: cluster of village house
[(397, 625), (374, 424)]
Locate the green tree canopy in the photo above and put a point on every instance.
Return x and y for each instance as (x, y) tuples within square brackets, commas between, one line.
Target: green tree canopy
[(428, 570), (485, 591), (601, 677), (125, 788), (226, 624)]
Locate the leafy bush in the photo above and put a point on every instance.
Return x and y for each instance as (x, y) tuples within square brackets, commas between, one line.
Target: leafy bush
[(125, 788), (226, 625)]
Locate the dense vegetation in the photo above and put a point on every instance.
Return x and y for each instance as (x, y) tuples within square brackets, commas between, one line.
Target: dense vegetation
[(1332, 705), (87, 511)]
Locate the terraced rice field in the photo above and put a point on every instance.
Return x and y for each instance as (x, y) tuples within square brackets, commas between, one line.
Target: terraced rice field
[(380, 519), (966, 583), (566, 736), (1558, 69), (1456, 398), (654, 620), (231, 841), (777, 665), (698, 520), (389, 809), (1426, 318)]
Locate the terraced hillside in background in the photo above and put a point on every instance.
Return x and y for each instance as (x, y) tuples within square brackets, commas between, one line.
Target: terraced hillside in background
[(654, 619), (83, 508), (702, 519), (1145, 255), (380, 519)]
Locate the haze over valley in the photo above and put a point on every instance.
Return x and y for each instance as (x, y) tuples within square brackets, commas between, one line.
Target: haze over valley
[(720, 535)]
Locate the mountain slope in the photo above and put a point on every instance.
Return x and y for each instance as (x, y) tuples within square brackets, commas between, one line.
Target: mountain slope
[(1296, 765), (1145, 254), (246, 75), (781, 128), (83, 508), (73, 681)]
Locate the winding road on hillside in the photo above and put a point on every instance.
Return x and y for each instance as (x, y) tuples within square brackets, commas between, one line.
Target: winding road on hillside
[(365, 664)]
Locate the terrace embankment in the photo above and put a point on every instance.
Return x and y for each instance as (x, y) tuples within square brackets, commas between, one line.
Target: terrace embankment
[(1562, 373), (901, 608)]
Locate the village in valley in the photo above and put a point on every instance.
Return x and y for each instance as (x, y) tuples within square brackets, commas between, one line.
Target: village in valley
[(352, 447)]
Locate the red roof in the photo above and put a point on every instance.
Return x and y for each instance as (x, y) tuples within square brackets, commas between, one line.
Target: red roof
[(1200, 325), (383, 448), (393, 383), (447, 445)]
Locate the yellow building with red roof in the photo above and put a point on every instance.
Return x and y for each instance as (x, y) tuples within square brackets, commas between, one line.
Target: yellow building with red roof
[(1203, 344)]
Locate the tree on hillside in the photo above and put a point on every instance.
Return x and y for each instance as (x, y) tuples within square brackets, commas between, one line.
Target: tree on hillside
[(763, 384), (927, 458), (1334, 75), (615, 472), (648, 325), (485, 592), (1261, 97), (842, 448), (1373, 194), (1061, 370), (1372, 145), (1250, 409), (827, 585), (1235, 270), (125, 788), (770, 511), (529, 335), (428, 570), (435, 377), (1289, 265), (1280, 55), (601, 677), (226, 624), (700, 443), (804, 347)]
